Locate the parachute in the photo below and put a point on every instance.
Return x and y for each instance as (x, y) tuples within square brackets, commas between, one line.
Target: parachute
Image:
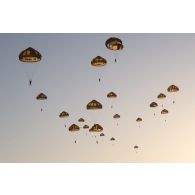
[(111, 95), (116, 116), (164, 111), (153, 105), (41, 97), (112, 139), (81, 120), (173, 89), (98, 62), (74, 128), (63, 114), (96, 128), (30, 55), (161, 96), (139, 120), (94, 105), (136, 148), (114, 44), (85, 127)]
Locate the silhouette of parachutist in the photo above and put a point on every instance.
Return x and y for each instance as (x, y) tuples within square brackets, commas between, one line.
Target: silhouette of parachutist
[(41, 110), (75, 141), (173, 102), (30, 82), (115, 60), (99, 80)]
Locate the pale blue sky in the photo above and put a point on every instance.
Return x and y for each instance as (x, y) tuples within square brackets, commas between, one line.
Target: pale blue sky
[(147, 65)]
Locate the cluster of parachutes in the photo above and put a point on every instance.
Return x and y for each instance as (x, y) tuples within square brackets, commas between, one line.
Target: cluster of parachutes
[(114, 44), (32, 56)]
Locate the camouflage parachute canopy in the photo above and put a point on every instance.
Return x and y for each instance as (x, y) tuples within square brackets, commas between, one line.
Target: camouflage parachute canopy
[(81, 120), (111, 95), (85, 127), (161, 96), (153, 105), (30, 55), (102, 134), (74, 127), (112, 139), (139, 119), (63, 114), (94, 105), (96, 128), (136, 147), (41, 96), (173, 88), (114, 43), (116, 116), (98, 61), (164, 111)]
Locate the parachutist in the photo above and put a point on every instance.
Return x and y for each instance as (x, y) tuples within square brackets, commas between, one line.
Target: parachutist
[(99, 80), (75, 141), (41, 110), (30, 82), (115, 60)]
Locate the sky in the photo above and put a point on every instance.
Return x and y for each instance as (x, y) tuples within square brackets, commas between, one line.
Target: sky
[(147, 65)]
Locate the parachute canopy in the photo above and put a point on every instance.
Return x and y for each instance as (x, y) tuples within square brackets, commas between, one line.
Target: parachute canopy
[(98, 61), (173, 88), (111, 95), (81, 120), (112, 139), (41, 96), (63, 114), (139, 119), (94, 105), (116, 116), (153, 105), (102, 134), (161, 96), (30, 55), (96, 128), (73, 128), (136, 147), (85, 127), (164, 111), (114, 43)]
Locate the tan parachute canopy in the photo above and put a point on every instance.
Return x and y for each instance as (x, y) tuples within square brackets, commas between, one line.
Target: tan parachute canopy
[(161, 96), (63, 114), (102, 134), (139, 119), (94, 105), (173, 88), (116, 116), (41, 96), (114, 43), (164, 111), (85, 127), (81, 120), (30, 55), (111, 95), (98, 61), (153, 105), (96, 128), (74, 127), (112, 139)]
